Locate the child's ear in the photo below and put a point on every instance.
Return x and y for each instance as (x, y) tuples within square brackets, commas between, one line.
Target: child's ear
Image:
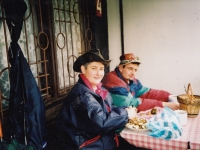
[(83, 69)]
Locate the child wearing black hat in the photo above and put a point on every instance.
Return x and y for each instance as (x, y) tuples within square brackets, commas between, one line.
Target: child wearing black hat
[(88, 119)]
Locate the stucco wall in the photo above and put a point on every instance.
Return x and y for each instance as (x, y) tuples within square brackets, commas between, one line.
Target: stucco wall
[(165, 34), (114, 36)]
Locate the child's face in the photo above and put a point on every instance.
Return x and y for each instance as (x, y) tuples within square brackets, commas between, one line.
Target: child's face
[(94, 72)]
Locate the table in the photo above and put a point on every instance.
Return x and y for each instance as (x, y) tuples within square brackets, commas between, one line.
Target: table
[(191, 133)]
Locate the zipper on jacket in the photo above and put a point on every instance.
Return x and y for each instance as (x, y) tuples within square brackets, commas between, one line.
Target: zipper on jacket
[(89, 141)]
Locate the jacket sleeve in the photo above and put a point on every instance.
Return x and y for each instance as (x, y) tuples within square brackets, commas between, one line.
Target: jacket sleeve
[(97, 117), (153, 98), (121, 100), (159, 95), (148, 104), (142, 91), (122, 97)]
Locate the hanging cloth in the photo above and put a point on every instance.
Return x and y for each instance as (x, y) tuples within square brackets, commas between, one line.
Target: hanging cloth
[(26, 107)]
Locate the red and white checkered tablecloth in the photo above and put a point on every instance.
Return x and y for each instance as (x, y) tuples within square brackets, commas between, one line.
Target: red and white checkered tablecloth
[(191, 133)]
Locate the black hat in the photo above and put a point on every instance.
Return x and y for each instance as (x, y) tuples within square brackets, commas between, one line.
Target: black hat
[(93, 55)]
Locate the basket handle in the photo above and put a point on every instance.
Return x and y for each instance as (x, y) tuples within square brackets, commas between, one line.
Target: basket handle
[(190, 92)]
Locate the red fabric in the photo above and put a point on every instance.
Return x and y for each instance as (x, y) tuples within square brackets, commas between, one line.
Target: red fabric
[(148, 104), (159, 95), (85, 80), (115, 83), (90, 141), (117, 140), (103, 93), (153, 98)]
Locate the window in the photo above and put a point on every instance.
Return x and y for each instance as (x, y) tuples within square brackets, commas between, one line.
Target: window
[(52, 37)]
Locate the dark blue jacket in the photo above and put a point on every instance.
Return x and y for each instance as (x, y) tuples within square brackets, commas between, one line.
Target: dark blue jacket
[(87, 123), (26, 106)]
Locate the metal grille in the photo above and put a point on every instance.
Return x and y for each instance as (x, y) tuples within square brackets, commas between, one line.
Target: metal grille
[(68, 41), (52, 37)]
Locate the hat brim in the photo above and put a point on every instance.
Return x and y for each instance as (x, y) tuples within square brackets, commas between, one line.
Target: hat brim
[(130, 61), (87, 58)]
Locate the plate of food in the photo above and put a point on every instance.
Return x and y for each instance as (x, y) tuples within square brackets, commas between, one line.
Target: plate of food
[(149, 113), (137, 124)]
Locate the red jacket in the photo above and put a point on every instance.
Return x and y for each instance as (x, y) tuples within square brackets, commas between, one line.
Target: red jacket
[(133, 94)]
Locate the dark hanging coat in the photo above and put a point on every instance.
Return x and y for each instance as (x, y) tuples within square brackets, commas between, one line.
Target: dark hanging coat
[(27, 111)]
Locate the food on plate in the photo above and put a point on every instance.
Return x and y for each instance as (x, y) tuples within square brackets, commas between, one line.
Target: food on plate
[(137, 123), (154, 111), (151, 112)]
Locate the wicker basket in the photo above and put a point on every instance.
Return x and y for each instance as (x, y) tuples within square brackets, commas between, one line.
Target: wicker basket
[(189, 102)]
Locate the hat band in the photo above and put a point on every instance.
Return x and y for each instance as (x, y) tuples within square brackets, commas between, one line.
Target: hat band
[(129, 61)]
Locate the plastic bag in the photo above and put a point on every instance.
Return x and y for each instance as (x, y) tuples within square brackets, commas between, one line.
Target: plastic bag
[(165, 125)]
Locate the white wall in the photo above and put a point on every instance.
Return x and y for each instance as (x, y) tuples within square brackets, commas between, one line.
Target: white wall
[(165, 34), (114, 35)]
